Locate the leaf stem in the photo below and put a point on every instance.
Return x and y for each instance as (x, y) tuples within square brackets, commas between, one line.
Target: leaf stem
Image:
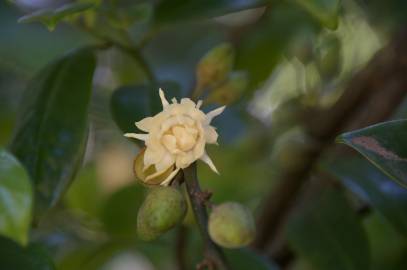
[(213, 253)]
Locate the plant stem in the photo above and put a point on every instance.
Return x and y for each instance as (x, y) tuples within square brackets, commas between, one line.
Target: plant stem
[(213, 253)]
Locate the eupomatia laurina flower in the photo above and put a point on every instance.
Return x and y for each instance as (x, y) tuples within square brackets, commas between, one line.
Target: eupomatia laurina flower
[(175, 138)]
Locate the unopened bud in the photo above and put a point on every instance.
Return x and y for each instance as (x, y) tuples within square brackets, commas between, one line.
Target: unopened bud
[(230, 90), (214, 67), (231, 225)]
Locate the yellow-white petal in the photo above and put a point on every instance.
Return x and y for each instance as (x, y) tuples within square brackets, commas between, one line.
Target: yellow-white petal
[(199, 104), (167, 180), (151, 157), (205, 158), (142, 137), (170, 143), (199, 150), (166, 161), (210, 115), (145, 124), (184, 160), (188, 102), (211, 136), (164, 101)]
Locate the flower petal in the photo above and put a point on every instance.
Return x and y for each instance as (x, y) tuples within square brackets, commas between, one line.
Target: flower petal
[(167, 180), (211, 136), (170, 142), (142, 137), (166, 161), (151, 157), (210, 115), (205, 158), (184, 160), (164, 101), (199, 150), (145, 124)]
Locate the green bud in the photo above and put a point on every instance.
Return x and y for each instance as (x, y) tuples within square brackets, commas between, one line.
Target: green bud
[(230, 90), (231, 225), (162, 209), (214, 67)]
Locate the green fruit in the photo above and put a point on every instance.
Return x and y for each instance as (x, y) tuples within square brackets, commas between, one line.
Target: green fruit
[(162, 209), (144, 232), (231, 225)]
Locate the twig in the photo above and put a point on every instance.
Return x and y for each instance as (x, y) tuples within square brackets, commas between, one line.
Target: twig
[(213, 254), (387, 67)]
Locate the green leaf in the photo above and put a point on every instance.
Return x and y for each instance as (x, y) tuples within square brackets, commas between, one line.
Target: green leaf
[(15, 199), (77, 196), (324, 11), (385, 145), (15, 257), (388, 247), (169, 11), (119, 214), (375, 188), (129, 104), (52, 127), (125, 14), (51, 17), (261, 50), (328, 234), (243, 259)]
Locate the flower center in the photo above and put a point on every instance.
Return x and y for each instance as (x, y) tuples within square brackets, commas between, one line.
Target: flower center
[(180, 138), (185, 137)]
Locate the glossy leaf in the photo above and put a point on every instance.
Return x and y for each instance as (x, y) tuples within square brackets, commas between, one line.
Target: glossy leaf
[(51, 17), (129, 104), (385, 145), (52, 127), (169, 11), (15, 199), (261, 50), (243, 259), (388, 247), (324, 11), (15, 257), (376, 188), (328, 234), (77, 197), (119, 214)]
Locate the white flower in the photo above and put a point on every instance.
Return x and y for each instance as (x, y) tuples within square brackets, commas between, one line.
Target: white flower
[(177, 136)]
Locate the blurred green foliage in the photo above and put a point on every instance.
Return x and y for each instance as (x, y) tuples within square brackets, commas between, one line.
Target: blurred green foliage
[(67, 96)]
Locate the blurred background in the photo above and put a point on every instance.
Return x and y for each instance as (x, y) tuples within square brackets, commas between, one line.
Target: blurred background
[(297, 59)]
